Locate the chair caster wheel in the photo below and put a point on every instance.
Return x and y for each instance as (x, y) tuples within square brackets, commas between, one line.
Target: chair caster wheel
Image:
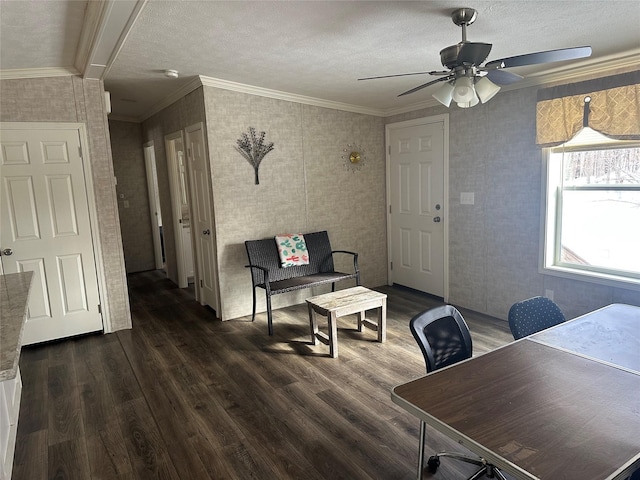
[(433, 463)]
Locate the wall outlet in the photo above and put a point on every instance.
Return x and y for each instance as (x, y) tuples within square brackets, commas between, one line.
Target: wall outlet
[(467, 198), (548, 294)]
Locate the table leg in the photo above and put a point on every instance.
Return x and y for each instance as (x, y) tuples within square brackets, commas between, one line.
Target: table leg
[(382, 321), (421, 449), (333, 334), (361, 317), (313, 324)]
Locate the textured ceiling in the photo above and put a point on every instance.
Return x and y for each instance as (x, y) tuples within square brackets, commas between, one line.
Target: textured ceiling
[(39, 34), (311, 48)]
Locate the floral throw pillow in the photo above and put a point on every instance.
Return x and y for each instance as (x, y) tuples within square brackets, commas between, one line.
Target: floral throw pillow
[(292, 249)]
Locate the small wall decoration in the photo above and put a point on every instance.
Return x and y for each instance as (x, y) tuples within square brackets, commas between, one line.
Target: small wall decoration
[(353, 157), (253, 148)]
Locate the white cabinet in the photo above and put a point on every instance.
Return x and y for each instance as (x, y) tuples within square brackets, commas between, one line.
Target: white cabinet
[(9, 408), (14, 298)]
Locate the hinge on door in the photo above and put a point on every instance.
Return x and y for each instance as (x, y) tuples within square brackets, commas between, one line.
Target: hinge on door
[(80, 150), (200, 283), (391, 264), (389, 208), (99, 308), (389, 149)]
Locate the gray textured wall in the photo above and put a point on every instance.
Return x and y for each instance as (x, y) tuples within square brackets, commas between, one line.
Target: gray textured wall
[(304, 187), (72, 99), (494, 244), (129, 169)]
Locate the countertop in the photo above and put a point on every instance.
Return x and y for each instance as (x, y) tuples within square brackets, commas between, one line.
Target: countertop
[(14, 297)]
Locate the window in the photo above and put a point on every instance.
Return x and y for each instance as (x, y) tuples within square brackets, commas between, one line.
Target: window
[(592, 218)]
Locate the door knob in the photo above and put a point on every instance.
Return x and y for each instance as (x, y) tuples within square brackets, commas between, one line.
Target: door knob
[(7, 252), (436, 219), (206, 232)]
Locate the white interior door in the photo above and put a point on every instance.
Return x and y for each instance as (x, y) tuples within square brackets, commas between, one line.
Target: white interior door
[(179, 199), (417, 209), (46, 228), (154, 205), (204, 232)]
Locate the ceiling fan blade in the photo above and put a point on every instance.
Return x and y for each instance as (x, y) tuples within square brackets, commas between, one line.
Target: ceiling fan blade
[(549, 56), (407, 74), (473, 53), (502, 77), (420, 87)]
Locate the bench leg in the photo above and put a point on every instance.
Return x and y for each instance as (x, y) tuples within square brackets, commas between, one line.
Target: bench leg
[(269, 315), (361, 318), (253, 314)]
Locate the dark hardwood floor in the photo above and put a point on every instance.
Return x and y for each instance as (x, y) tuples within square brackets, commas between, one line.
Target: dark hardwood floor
[(185, 396)]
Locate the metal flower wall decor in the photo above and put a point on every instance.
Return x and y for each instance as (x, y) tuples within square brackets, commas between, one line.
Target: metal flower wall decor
[(253, 148)]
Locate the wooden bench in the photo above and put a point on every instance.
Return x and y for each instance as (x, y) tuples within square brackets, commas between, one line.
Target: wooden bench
[(345, 302), (266, 272)]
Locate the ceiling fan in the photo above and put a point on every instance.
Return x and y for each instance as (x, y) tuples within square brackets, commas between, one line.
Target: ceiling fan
[(467, 82)]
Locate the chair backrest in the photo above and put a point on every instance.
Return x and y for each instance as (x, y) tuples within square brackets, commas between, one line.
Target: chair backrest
[(533, 315), (264, 253), (443, 336)]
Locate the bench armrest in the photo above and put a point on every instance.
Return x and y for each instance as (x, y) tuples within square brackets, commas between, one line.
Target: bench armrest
[(355, 258), (265, 273)]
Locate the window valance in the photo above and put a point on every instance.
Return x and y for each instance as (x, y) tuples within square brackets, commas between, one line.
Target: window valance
[(609, 105)]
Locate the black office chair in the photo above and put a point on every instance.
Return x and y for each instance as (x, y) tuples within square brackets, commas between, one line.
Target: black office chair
[(444, 338), (533, 315)]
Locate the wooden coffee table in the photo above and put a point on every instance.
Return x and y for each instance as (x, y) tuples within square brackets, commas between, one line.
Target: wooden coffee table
[(346, 302)]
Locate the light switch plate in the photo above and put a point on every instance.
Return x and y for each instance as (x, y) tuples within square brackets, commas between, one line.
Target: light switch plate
[(467, 198)]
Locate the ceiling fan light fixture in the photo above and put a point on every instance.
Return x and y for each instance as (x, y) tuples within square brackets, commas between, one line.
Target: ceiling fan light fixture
[(474, 101), (486, 89), (463, 91), (444, 94)]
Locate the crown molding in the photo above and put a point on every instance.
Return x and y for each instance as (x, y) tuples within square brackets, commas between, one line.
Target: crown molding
[(93, 15), (291, 97), (106, 26), (594, 68), (38, 72), (176, 95), (430, 102)]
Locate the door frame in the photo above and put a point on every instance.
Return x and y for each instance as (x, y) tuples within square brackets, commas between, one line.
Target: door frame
[(176, 204), (96, 241), (444, 119), (197, 252), (152, 189)]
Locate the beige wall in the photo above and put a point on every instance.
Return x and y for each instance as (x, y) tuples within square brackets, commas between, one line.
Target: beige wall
[(304, 187), (494, 244), (71, 99), (133, 198)]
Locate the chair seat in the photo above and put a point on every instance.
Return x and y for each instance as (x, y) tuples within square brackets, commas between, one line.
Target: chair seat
[(297, 283)]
